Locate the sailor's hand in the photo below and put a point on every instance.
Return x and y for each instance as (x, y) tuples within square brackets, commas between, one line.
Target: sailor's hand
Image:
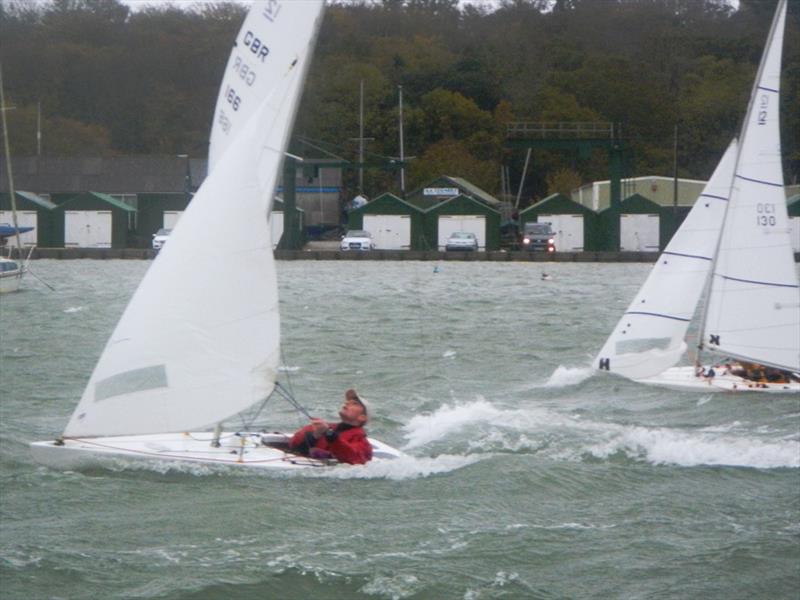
[(320, 427)]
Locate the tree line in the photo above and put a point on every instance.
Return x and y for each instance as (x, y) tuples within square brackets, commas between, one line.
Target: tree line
[(674, 75)]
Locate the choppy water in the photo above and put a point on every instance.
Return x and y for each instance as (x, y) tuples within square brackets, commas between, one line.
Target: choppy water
[(527, 476)]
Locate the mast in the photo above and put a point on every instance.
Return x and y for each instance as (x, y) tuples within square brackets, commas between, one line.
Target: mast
[(8, 163), (402, 155), (361, 138)]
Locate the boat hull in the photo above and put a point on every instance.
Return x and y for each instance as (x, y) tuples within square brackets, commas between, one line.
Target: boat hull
[(252, 450), (10, 279), (684, 378)]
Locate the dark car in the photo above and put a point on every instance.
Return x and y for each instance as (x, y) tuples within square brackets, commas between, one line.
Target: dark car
[(538, 237)]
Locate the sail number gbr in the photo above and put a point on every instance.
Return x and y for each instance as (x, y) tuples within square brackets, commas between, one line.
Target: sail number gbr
[(765, 216)]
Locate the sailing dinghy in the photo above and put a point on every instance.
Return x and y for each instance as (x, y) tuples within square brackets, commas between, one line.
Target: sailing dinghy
[(191, 352), (734, 248)]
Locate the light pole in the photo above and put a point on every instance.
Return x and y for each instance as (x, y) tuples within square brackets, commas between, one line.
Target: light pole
[(187, 178)]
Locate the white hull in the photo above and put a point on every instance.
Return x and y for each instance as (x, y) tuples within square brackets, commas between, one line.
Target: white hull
[(10, 280), (684, 378), (10, 284), (237, 449)]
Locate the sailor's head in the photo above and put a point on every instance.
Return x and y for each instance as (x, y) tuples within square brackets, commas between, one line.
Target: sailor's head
[(355, 410)]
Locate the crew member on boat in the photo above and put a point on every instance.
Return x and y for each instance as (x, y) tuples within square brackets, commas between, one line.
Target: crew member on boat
[(345, 441)]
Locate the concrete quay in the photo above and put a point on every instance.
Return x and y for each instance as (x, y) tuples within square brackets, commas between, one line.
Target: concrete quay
[(316, 253)]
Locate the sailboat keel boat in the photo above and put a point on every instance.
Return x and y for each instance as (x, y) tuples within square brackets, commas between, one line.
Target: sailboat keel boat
[(187, 354), (734, 250)]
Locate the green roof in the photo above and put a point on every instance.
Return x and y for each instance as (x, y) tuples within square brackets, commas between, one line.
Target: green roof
[(113, 201), (36, 199), (474, 190)]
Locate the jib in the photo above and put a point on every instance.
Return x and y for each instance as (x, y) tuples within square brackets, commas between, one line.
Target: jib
[(256, 46)]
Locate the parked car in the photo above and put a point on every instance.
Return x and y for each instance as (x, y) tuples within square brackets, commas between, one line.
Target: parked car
[(538, 237), (461, 240), (160, 238), (357, 239)]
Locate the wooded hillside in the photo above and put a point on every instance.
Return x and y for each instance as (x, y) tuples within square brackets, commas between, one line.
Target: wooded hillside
[(111, 81)]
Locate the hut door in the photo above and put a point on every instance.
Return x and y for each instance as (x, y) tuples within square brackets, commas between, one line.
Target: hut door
[(87, 228), (794, 228), (569, 231), (638, 233), (25, 218), (276, 227), (390, 232), (171, 218)]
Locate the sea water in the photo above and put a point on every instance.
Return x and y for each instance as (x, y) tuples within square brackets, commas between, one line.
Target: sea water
[(527, 475)]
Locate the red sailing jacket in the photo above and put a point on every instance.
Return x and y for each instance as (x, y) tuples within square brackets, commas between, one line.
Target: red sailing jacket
[(346, 443)]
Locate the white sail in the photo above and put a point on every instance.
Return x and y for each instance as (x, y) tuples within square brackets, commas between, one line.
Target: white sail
[(273, 34), (648, 339), (199, 340), (754, 304)]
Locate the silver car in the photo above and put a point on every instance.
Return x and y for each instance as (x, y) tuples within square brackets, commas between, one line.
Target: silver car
[(462, 240), (357, 239), (160, 238)]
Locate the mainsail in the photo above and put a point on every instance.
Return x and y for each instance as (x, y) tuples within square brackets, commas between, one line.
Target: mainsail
[(648, 339), (272, 36), (199, 340), (753, 311)]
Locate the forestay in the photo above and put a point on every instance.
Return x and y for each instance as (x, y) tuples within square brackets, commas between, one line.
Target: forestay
[(199, 340), (648, 339), (273, 34), (754, 305)]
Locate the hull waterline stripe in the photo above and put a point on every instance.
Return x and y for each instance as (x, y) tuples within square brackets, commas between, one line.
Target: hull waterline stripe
[(765, 283), (697, 256), (659, 315), (761, 181)]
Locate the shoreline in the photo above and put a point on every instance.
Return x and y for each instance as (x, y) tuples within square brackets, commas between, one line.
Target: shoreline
[(380, 255), (385, 255)]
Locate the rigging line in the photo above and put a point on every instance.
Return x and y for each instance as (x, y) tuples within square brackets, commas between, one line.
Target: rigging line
[(288, 375), (39, 279), (311, 142), (282, 391), (247, 423)]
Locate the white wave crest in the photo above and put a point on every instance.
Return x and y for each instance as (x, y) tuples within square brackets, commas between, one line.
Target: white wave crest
[(566, 376), (403, 468), (688, 449), (423, 429)]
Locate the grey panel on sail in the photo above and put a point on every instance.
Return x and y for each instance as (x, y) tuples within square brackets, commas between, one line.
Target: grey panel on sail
[(127, 382), (642, 345)]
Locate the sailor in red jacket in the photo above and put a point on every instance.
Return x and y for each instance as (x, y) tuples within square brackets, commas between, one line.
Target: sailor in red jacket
[(345, 441)]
